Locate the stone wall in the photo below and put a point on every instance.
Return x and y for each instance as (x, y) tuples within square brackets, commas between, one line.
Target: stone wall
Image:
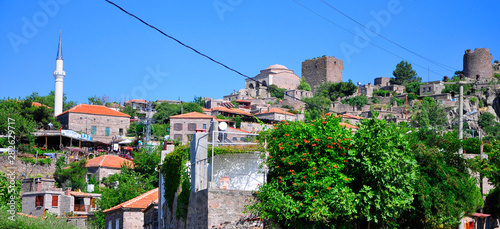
[(382, 81), (478, 63), (321, 70), (227, 206)]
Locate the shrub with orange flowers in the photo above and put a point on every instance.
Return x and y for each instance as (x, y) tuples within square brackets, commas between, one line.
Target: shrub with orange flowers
[(326, 176)]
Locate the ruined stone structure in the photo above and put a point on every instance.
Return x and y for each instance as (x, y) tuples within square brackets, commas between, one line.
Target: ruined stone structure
[(382, 81), (478, 63), (321, 70)]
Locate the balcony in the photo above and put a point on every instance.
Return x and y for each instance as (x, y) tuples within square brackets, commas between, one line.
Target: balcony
[(82, 208)]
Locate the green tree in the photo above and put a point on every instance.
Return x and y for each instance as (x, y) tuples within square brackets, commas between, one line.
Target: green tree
[(413, 88), (304, 85), (165, 110), (10, 194), (357, 101), (73, 177), (429, 113), (275, 91), (316, 106), (404, 74), (321, 178), (94, 100), (199, 100), (333, 91), (487, 121), (49, 99)]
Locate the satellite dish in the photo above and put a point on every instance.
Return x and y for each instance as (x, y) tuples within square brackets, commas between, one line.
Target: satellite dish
[(223, 126)]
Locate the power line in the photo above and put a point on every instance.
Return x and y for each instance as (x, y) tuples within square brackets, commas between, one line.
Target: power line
[(387, 39), (206, 56), (346, 30)]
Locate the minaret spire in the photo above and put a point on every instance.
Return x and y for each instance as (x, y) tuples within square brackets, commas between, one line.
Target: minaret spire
[(59, 75), (59, 49)]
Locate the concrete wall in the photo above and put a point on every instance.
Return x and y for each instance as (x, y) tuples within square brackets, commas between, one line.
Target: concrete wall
[(242, 169), (84, 122)]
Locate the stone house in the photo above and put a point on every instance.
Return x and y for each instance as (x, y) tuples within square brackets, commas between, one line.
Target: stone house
[(101, 123), (37, 184), (352, 119), (275, 114), (151, 216), (297, 94), (229, 112), (184, 125), (106, 165), (130, 214), (431, 88), (59, 202), (321, 70)]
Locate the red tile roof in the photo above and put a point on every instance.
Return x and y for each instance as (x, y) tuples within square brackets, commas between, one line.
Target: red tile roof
[(193, 114), (231, 111), (275, 110), (94, 109), (232, 128), (350, 116), (137, 101), (205, 109), (37, 104), (140, 202), (80, 194), (110, 161), (347, 125)]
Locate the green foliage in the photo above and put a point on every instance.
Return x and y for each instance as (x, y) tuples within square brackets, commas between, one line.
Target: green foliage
[(404, 74), (448, 88), (146, 162), (94, 100), (497, 75), (399, 102), (375, 100), (321, 178), (304, 85), (159, 131), (413, 88), (42, 161), (10, 193), (428, 113), (316, 106), (135, 129), (237, 121), (489, 125), (183, 198), (73, 177), (357, 101), (49, 99), (129, 110), (199, 100), (23, 222), (165, 110), (383, 93), (333, 91), (444, 190), (174, 172), (473, 99), (276, 91), (481, 103)]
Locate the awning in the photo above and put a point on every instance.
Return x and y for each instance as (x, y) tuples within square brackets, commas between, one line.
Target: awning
[(128, 148), (126, 141)]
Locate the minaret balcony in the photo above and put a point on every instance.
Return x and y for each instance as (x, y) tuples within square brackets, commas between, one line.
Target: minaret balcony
[(59, 73)]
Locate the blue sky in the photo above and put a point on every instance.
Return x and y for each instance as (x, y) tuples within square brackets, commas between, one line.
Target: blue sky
[(107, 52)]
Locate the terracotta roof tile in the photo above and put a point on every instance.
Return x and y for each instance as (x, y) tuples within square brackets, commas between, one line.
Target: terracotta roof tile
[(94, 109), (275, 110), (350, 116), (347, 125), (80, 194), (37, 104), (140, 202), (110, 161), (231, 110), (193, 114)]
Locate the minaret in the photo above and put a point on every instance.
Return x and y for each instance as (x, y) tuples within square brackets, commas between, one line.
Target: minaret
[(59, 76)]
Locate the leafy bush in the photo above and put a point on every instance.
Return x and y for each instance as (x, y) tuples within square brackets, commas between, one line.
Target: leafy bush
[(23, 222), (473, 100), (382, 93), (399, 102), (375, 100), (357, 101), (42, 161)]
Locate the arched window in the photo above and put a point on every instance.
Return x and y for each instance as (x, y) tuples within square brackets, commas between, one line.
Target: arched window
[(250, 86), (264, 83)]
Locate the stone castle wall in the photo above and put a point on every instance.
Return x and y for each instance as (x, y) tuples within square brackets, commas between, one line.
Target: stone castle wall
[(478, 63), (321, 70)]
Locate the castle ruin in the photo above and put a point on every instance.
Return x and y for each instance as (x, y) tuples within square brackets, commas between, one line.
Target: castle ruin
[(478, 63), (321, 70)]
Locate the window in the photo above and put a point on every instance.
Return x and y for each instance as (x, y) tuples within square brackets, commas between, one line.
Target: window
[(55, 201), (107, 131), (120, 132), (94, 130), (178, 126), (423, 90), (178, 137), (38, 201), (235, 139), (110, 224), (192, 126), (204, 126), (117, 224)]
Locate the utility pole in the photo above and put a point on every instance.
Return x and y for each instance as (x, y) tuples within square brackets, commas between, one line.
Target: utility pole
[(461, 113), (147, 138), (481, 156)]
